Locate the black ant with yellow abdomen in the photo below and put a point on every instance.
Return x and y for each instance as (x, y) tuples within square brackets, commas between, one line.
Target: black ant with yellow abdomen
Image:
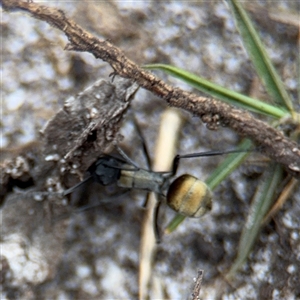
[(186, 194)]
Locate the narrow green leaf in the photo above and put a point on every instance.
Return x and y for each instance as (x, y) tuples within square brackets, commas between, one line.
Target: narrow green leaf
[(220, 173), (259, 57), (174, 223), (228, 165), (261, 204), (219, 92)]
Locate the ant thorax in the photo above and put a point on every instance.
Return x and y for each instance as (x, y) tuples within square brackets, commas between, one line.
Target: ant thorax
[(145, 180)]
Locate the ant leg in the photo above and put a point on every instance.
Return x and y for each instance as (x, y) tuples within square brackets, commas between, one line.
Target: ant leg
[(214, 153), (144, 205), (71, 189), (205, 154), (101, 202), (155, 222), (142, 138), (145, 148)]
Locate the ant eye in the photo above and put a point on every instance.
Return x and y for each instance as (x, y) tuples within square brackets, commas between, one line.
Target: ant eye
[(189, 196)]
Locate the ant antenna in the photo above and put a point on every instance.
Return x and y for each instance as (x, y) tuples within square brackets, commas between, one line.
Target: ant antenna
[(125, 156)]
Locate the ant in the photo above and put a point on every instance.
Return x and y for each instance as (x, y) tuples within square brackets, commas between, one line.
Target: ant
[(186, 194)]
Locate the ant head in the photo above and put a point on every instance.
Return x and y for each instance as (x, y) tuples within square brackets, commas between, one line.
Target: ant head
[(189, 196)]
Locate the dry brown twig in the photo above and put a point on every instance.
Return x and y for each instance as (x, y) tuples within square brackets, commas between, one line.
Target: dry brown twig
[(271, 141), (197, 287)]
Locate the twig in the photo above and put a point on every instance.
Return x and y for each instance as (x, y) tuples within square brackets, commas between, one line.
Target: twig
[(170, 126), (212, 112), (197, 287)]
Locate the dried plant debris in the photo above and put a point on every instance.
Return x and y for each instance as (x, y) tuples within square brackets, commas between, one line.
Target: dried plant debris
[(71, 141), (88, 123), (75, 136), (17, 170)]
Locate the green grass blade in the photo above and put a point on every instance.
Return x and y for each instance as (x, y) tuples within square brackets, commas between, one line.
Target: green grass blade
[(174, 223), (228, 165), (231, 162), (259, 57), (261, 204), (220, 92)]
